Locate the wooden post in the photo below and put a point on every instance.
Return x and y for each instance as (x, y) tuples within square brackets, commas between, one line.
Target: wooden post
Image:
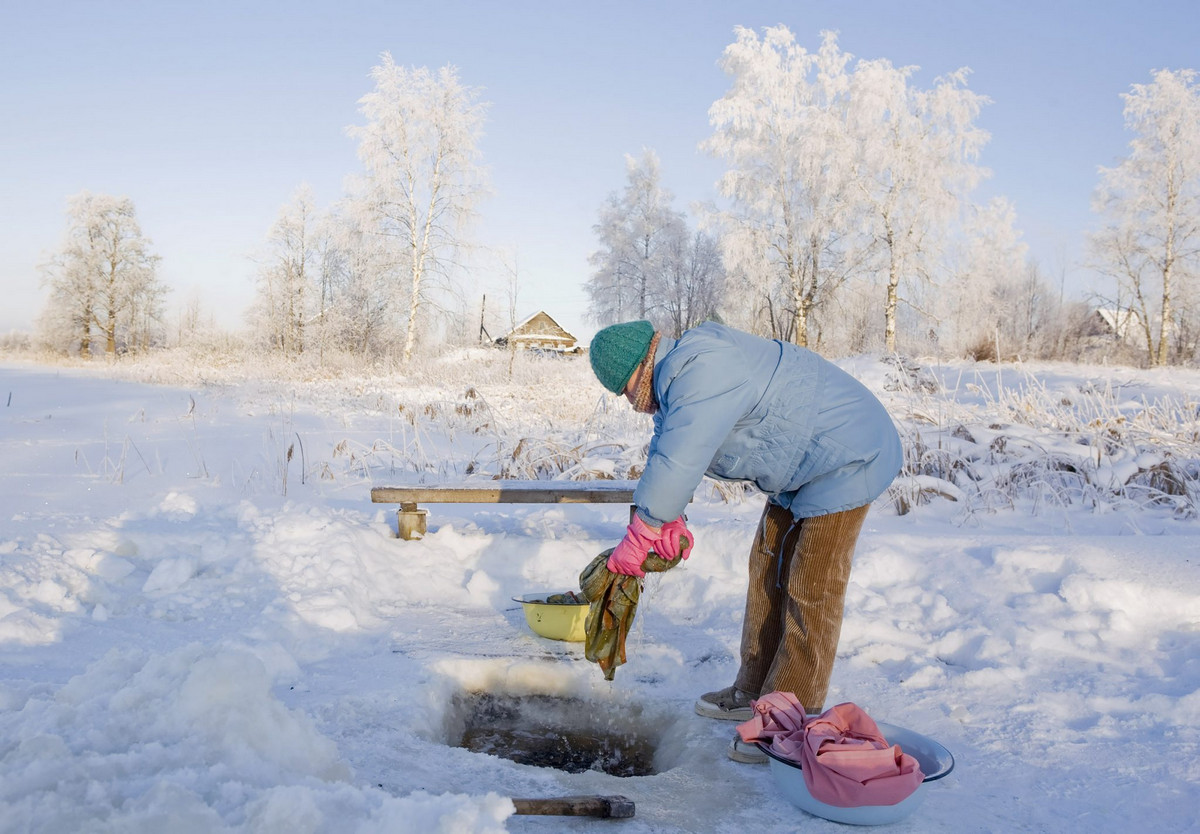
[(411, 522)]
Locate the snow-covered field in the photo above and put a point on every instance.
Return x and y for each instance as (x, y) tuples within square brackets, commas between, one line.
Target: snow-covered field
[(206, 626)]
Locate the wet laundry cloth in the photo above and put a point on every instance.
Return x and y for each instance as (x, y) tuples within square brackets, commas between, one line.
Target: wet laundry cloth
[(845, 760), (612, 603)]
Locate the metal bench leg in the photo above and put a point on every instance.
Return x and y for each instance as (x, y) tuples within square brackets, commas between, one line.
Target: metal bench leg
[(411, 521)]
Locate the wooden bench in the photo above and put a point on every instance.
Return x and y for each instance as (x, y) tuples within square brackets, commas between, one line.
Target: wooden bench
[(412, 517)]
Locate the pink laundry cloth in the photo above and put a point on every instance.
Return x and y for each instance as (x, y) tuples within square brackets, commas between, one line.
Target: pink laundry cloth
[(844, 758)]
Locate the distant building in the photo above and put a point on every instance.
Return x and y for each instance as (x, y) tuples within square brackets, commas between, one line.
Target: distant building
[(1126, 325), (540, 332)]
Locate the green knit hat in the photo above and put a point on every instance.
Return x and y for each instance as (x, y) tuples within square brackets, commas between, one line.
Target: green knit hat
[(617, 350)]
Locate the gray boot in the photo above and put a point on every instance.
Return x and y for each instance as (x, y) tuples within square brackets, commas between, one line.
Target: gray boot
[(746, 752), (729, 704)]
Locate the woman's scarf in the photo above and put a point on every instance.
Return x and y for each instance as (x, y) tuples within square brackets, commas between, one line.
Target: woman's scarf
[(643, 400)]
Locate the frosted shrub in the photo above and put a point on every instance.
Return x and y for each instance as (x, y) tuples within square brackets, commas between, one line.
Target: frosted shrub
[(999, 444), (977, 439)]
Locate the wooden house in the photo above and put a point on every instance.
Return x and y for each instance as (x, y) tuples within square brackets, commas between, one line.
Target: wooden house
[(1126, 325), (540, 332)]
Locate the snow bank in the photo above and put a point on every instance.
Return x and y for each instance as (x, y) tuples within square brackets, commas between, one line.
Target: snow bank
[(199, 631), (193, 740)]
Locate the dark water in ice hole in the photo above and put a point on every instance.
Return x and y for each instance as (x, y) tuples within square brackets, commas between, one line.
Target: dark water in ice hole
[(563, 733)]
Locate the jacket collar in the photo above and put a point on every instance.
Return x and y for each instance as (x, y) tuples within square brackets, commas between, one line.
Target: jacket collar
[(665, 346)]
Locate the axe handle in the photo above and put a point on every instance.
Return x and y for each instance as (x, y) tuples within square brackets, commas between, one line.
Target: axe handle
[(612, 807)]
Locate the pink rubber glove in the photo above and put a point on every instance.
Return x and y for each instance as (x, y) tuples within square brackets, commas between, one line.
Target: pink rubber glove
[(672, 533), (627, 557)]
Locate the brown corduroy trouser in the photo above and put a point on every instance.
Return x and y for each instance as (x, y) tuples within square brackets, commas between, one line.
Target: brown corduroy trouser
[(794, 609)]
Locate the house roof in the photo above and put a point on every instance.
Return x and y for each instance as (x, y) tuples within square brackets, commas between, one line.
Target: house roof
[(1119, 320), (539, 327)]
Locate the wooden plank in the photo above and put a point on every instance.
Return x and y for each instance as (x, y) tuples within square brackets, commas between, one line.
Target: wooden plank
[(509, 492)]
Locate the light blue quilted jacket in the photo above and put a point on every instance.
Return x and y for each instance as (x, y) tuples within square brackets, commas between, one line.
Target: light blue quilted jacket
[(742, 408)]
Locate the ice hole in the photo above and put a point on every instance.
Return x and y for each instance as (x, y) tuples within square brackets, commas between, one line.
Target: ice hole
[(567, 734)]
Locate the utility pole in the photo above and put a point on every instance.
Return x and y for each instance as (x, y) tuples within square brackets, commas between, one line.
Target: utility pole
[(483, 330)]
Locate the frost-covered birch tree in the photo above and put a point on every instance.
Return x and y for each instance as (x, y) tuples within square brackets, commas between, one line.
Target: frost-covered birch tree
[(423, 174), (914, 169), (639, 232), (286, 279), (984, 312), (103, 279), (328, 262), (1150, 204), (694, 282), (359, 284), (781, 130)]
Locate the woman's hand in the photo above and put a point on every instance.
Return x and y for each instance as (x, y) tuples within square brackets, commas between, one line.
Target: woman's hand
[(627, 557), (674, 533)]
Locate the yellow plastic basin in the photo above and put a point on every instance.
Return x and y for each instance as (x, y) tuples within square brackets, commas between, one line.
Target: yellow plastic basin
[(555, 620)]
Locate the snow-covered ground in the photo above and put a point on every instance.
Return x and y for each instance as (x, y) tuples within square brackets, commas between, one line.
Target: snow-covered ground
[(206, 626)]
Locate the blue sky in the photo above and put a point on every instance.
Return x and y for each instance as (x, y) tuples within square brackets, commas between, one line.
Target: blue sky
[(210, 115)]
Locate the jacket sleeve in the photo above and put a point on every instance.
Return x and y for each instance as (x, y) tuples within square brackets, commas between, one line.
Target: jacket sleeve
[(699, 404)]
